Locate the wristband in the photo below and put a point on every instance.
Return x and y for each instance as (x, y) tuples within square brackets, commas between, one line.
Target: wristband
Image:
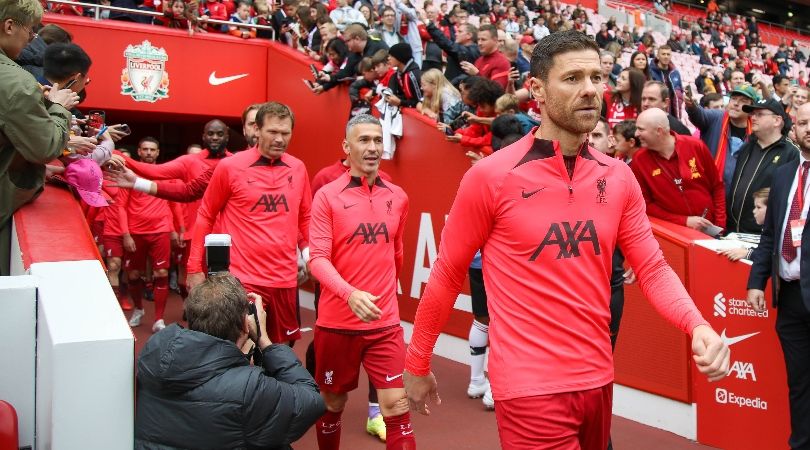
[(142, 185)]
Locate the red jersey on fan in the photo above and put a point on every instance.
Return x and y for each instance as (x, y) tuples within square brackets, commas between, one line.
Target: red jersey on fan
[(356, 243), (494, 66), (547, 275), (264, 205), (618, 111)]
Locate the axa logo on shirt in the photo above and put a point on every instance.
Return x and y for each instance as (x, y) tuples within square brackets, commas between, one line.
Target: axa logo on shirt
[(271, 203), (724, 397), (735, 307), (743, 370), (369, 232), (568, 237)]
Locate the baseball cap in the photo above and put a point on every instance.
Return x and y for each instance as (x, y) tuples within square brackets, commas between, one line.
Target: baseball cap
[(774, 106), (527, 39), (85, 176), (747, 90)]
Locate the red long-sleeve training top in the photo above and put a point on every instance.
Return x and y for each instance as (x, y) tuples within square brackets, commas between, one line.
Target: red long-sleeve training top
[(548, 242), (356, 243), (702, 187), (264, 205)]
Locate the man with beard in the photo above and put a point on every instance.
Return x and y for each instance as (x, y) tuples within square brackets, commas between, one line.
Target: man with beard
[(261, 197), (784, 257), (187, 168), (556, 382), (249, 125)]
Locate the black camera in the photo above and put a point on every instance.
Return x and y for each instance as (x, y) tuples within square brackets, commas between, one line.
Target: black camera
[(218, 252)]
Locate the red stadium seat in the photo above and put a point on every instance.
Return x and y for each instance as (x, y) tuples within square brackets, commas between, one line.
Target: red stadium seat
[(9, 439)]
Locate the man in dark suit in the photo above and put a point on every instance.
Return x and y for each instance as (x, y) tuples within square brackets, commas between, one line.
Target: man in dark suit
[(783, 256)]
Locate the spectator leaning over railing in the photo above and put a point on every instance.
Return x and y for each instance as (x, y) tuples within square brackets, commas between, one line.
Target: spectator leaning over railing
[(33, 129), (439, 96), (462, 49)]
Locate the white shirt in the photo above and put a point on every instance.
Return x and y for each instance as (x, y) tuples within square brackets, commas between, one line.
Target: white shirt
[(790, 271)]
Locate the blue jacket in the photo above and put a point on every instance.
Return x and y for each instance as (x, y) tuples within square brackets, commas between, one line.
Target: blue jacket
[(675, 78), (710, 124)]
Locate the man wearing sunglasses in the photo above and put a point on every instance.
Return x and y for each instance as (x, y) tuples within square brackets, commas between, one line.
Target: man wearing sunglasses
[(33, 128)]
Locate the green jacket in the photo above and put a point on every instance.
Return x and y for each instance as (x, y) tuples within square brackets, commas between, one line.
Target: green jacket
[(33, 131)]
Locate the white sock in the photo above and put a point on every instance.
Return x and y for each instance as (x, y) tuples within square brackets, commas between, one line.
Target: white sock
[(479, 337)]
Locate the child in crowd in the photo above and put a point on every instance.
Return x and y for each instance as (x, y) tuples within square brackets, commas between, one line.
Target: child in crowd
[(509, 104), (477, 135), (174, 15), (362, 90), (439, 96), (213, 9), (405, 86), (760, 208), (624, 139), (242, 15)]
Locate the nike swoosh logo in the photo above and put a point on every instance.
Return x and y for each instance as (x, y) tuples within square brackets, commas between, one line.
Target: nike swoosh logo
[(405, 433), (530, 193), (160, 262), (291, 332), (214, 80), (389, 378), (349, 206), (329, 432), (736, 339), (251, 181)]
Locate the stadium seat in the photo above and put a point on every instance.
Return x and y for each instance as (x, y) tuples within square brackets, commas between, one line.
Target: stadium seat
[(9, 439)]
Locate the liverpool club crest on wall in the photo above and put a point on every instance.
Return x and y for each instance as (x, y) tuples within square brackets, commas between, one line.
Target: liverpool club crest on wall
[(145, 78)]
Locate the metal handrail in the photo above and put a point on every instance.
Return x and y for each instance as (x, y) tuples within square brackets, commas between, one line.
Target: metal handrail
[(139, 12)]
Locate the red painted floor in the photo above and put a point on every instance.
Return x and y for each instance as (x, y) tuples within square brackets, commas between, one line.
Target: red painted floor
[(459, 423)]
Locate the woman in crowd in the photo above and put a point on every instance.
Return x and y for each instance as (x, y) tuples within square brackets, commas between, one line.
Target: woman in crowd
[(640, 62), (624, 103), (439, 96)]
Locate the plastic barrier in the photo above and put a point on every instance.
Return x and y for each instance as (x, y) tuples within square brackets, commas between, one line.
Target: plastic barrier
[(9, 440)]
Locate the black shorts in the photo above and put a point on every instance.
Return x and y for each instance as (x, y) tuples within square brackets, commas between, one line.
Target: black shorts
[(478, 293)]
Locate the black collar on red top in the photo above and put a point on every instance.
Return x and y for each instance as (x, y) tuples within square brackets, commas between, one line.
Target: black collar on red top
[(265, 161), (543, 148), (360, 181)]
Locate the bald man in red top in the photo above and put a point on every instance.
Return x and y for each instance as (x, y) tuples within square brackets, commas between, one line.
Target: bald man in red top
[(261, 197), (547, 213), (356, 234)]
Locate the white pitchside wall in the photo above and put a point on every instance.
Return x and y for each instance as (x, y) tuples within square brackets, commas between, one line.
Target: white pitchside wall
[(77, 390)]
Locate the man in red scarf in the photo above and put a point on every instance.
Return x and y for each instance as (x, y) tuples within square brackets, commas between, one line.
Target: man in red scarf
[(724, 131)]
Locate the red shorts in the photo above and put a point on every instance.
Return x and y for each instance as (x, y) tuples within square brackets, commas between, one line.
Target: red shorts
[(97, 229), (566, 421), (113, 246), (281, 306), (338, 357), (156, 245)]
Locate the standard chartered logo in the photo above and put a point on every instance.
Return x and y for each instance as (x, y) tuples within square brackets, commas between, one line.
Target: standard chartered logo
[(725, 397), (734, 307)]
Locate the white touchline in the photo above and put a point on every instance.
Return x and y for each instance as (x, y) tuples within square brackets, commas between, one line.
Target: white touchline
[(213, 80)]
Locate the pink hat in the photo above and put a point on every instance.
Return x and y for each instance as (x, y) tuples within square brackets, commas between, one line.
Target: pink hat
[(85, 175)]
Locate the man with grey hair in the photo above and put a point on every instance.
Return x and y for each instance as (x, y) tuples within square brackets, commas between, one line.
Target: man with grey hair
[(356, 242), (33, 129)]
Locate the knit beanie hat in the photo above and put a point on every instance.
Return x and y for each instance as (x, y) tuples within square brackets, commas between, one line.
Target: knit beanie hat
[(402, 52)]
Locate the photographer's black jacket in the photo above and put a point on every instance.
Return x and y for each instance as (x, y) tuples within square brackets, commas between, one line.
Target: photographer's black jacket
[(196, 391)]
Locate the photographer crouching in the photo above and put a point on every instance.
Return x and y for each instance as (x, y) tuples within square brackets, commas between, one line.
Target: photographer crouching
[(196, 389)]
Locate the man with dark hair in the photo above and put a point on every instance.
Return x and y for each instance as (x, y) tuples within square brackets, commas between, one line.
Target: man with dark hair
[(63, 62), (201, 372), (149, 226), (784, 257), (558, 382), (261, 197), (656, 95), (249, 124), (33, 127), (360, 45), (662, 69), (781, 89), (492, 63), (713, 100), (31, 57)]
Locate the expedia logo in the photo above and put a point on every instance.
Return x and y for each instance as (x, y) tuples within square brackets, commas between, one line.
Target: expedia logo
[(567, 238), (270, 203), (725, 397), (369, 233)]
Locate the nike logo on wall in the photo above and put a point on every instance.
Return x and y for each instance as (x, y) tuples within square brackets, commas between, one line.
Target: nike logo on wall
[(349, 206), (390, 378), (530, 193), (214, 80), (736, 339), (291, 332)]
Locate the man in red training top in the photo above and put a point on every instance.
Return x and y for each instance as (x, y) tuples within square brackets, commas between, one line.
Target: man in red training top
[(548, 212), (261, 197), (677, 175), (148, 226), (356, 233)]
